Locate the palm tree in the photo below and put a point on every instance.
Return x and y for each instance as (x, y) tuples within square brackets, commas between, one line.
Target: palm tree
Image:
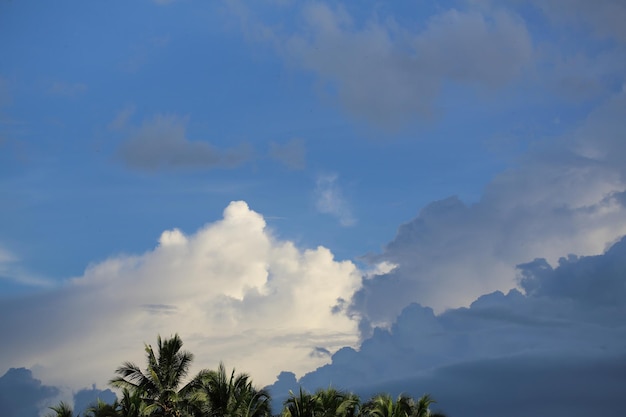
[(331, 402), (383, 405), (421, 408), (61, 410), (220, 395), (301, 405), (132, 405), (102, 409), (158, 387)]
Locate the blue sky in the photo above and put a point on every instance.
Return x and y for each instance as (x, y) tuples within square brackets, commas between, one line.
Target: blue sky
[(296, 174)]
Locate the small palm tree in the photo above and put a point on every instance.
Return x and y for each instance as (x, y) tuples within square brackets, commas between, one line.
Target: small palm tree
[(159, 386), (301, 405), (132, 405), (421, 408), (221, 395), (61, 410), (383, 405), (331, 402), (102, 409)]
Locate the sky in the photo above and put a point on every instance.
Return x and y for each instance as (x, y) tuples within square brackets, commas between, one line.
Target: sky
[(394, 196)]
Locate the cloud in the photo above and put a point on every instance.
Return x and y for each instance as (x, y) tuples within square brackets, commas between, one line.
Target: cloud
[(85, 398), (21, 395), (564, 196), (161, 143), (231, 290), (330, 200), (389, 74), (565, 337), (292, 153), (579, 279), (604, 17), (12, 270)]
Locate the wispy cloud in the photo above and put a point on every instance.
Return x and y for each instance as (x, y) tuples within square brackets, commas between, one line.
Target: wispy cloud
[(329, 199), (11, 269)]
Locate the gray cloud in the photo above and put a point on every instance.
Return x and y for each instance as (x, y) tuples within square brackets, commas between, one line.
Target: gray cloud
[(161, 143), (388, 74), (564, 196), (21, 395), (579, 279), (86, 398), (292, 153), (605, 17), (522, 385), (509, 352)]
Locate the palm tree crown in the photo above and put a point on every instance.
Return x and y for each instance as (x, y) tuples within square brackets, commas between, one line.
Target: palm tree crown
[(159, 385)]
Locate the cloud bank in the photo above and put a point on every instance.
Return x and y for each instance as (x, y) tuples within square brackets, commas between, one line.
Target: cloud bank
[(231, 290), (564, 196), (542, 350)]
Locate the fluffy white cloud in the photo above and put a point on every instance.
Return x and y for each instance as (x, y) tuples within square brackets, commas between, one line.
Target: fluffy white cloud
[(231, 290)]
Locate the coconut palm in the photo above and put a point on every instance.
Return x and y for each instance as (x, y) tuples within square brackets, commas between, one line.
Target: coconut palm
[(132, 405), (301, 405), (61, 410), (102, 409), (383, 405), (159, 387), (331, 402), (219, 395), (421, 408)]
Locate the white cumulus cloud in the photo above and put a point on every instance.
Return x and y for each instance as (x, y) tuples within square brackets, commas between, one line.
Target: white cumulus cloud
[(231, 290)]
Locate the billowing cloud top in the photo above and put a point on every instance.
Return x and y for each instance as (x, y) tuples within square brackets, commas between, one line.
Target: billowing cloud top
[(231, 290)]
